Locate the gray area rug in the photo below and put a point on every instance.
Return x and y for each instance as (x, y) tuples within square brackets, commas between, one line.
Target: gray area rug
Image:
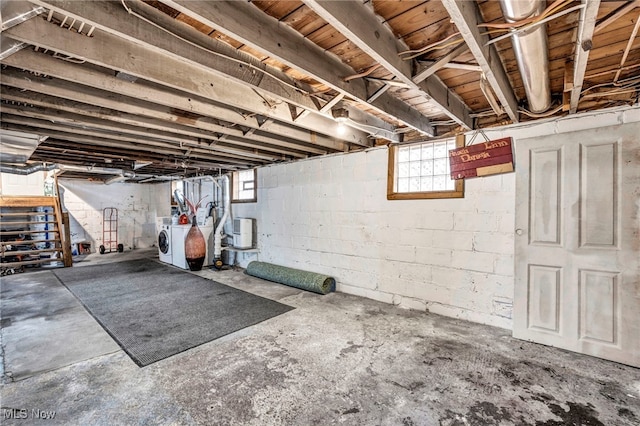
[(155, 311)]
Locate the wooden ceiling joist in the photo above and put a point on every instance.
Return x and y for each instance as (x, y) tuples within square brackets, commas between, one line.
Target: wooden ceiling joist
[(377, 41), (117, 118), (161, 69), (248, 24), (79, 85), (240, 71), (121, 141), (466, 16), (615, 15), (584, 43)]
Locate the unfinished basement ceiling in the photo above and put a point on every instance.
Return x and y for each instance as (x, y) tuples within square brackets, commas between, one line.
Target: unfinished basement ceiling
[(181, 87)]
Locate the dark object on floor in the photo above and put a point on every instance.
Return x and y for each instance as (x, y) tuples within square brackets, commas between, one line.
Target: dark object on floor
[(155, 311), (305, 280), (103, 249)]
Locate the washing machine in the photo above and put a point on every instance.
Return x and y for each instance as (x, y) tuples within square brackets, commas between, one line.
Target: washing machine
[(163, 227), (179, 235)]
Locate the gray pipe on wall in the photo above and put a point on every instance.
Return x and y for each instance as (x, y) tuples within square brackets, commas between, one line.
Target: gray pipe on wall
[(27, 170)]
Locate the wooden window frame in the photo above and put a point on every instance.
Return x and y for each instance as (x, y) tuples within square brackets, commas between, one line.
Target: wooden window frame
[(457, 192), (255, 187)]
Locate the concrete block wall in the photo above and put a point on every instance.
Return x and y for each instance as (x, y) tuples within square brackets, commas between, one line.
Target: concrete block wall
[(137, 204), (453, 257), (331, 215)]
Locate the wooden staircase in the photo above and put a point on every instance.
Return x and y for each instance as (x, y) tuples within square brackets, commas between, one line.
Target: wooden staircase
[(33, 232)]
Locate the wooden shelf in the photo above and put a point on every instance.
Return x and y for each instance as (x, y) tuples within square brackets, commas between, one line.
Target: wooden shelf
[(22, 214), (23, 208), (27, 252), (25, 202), (29, 242), (27, 222), (6, 233), (29, 262)]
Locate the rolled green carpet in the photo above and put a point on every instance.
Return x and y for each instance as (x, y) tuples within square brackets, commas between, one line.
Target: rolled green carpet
[(305, 280)]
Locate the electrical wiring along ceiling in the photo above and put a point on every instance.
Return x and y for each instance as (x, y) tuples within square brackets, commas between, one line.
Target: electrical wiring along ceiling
[(187, 87)]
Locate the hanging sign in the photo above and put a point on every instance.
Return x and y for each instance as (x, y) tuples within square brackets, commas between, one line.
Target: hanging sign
[(482, 159)]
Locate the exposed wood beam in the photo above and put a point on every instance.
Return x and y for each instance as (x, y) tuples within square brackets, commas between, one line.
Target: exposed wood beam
[(326, 107), (116, 141), (61, 151), (214, 55), (115, 94), (104, 49), (586, 29), (376, 92), (246, 23), (377, 40), (568, 85), (125, 140), (616, 14), (117, 118), (453, 65), (627, 49), (439, 64), (466, 17), (70, 120)]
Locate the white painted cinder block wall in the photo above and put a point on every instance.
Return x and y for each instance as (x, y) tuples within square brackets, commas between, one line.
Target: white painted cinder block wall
[(331, 215), (452, 257), (137, 204)]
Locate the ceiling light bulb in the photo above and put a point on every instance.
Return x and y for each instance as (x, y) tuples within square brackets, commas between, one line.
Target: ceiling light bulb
[(340, 114)]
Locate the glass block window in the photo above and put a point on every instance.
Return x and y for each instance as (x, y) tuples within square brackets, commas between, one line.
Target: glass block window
[(421, 169), (244, 186)]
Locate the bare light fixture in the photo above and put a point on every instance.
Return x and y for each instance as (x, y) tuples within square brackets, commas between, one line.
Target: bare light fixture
[(341, 115)]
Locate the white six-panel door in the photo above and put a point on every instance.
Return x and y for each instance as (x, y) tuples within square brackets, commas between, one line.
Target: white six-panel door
[(578, 242)]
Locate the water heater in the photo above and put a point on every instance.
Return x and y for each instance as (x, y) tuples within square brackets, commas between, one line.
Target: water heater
[(242, 233)]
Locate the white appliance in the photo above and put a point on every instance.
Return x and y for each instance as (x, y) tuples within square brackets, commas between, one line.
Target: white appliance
[(207, 231), (242, 233), (205, 223), (163, 227), (178, 236)]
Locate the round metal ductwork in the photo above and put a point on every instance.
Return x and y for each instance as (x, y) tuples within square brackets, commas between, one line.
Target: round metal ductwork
[(531, 52)]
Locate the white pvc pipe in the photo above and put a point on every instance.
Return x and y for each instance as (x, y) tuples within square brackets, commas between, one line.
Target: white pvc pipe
[(217, 239), (219, 232)]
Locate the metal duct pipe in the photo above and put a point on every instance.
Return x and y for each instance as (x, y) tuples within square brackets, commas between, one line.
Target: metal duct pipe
[(97, 170), (27, 170), (115, 179), (531, 52)]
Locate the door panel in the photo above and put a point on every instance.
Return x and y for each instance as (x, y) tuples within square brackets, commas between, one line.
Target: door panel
[(598, 210), (599, 316), (578, 242), (544, 298), (544, 215)]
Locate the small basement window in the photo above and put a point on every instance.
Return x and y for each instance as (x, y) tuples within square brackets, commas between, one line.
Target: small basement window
[(243, 186), (421, 170)]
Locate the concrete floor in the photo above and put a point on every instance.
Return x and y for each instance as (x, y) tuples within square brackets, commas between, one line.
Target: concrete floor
[(335, 359)]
